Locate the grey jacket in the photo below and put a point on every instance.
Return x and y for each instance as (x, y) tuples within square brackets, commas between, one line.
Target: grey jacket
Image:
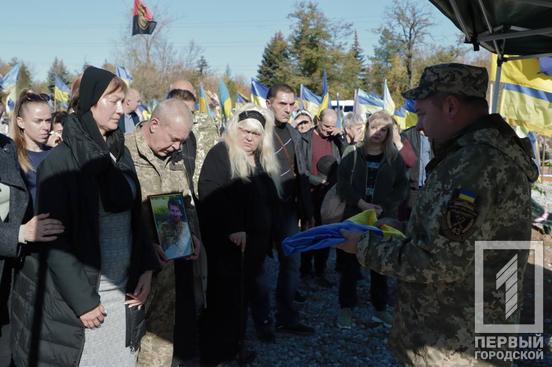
[(10, 175), (391, 183)]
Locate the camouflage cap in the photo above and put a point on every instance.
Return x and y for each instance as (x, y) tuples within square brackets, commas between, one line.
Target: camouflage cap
[(451, 78)]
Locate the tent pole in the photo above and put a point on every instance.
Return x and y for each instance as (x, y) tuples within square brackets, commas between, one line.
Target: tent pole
[(496, 86)]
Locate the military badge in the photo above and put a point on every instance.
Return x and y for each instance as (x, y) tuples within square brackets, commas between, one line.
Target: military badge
[(459, 219)]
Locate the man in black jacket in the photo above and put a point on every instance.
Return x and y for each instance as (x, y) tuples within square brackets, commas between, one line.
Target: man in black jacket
[(295, 203)]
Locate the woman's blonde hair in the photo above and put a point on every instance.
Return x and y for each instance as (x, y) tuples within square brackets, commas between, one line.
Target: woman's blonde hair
[(239, 164), (18, 135), (385, 119)]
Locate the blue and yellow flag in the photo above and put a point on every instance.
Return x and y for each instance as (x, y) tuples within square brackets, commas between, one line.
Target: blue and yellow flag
[(366, 103), (240, 100), (325, 103), (258, 93), (309, 100), (225, 101), (203, 102), (122, 73), (546, 65), (8, 85), (61, 93), (526, 98), (388, 103), (406, 115)]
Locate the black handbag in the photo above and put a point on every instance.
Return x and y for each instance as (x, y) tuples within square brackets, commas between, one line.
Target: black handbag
[(135, 326)]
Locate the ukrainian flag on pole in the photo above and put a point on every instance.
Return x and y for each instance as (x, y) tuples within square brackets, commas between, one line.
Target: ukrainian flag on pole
[(225, 101), (203, 102), (258, 93), (325, 94), (122, 73), (8, 85), (526, 97), (366, 103), (61, 93), (240, 100), (388, 104), (310, 101)]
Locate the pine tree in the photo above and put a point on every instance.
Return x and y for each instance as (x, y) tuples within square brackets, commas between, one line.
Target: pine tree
[(276, 64), (58, 69)]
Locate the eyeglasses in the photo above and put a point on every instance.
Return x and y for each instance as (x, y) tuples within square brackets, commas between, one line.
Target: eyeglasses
[(30, 97)]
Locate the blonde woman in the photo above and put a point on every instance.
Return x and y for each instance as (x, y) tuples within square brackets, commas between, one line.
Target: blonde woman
[(378, 182), (238, 189)]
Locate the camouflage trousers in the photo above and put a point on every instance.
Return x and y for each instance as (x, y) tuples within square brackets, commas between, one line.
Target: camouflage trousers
[(156, 349)]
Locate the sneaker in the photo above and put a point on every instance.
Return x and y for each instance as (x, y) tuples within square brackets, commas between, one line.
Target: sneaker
[(296, 329), (323, 282), (345, 318), (299, 298), (384, 317)]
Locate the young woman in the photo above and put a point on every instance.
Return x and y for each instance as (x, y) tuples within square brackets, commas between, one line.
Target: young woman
[(378, 182), (17, 229), (238, 188), (30, 127), (79, 302)]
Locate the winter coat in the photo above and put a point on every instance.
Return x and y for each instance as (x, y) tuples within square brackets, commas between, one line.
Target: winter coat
[(10, 175), (58, 283), (391, 186)]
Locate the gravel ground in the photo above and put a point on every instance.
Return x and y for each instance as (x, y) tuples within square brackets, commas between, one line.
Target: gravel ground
[(363, 345)]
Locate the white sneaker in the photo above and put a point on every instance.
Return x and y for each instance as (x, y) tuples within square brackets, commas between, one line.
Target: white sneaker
[(384, 317)]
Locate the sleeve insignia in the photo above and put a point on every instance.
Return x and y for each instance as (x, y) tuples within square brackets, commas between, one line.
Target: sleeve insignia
[(461, 213)]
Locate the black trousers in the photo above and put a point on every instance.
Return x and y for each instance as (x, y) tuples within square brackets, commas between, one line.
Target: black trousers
[(185, 319), (320, 259), (349, 269), (223, 323)]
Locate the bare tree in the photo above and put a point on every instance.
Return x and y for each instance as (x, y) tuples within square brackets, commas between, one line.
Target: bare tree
[(409, 22)]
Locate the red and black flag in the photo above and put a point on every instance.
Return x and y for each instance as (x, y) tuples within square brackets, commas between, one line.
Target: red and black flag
[(142, 19)]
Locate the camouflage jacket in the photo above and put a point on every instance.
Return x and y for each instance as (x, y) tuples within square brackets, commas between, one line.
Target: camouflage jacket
[(207, 135), (163, 176), (478, 188)]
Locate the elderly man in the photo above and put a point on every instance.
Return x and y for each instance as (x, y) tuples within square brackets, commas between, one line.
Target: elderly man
[(478, 189), (323, 140), (130, 118), (155, 148)]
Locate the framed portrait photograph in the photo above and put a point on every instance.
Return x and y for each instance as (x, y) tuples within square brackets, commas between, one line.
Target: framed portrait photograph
[(171, 225)]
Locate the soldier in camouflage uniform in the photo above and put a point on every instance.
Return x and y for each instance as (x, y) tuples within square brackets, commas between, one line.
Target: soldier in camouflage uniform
[(478, 188), (155, 149)]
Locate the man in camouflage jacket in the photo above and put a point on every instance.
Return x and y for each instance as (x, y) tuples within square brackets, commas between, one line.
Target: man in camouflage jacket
[(478, 188), (155, 150)]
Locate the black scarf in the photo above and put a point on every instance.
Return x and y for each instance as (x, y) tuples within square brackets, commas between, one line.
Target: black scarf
[(94, 157)]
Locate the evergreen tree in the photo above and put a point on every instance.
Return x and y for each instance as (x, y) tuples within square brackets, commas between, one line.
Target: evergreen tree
[(276, 64), (58, 69), (310, 44), (202, 66)]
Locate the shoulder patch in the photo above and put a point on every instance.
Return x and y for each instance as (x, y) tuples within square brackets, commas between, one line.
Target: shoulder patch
[(459, 219)]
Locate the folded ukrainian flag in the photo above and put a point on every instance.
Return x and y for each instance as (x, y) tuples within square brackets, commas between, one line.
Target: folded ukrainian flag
[(329, 235)]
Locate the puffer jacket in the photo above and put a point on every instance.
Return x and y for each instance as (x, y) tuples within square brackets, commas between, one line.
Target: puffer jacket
[(58, 282)]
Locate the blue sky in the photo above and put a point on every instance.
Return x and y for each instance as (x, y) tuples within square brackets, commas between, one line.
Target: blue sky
[(231, 33)]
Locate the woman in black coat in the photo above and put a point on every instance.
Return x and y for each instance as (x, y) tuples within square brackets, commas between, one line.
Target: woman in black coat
[(17, 227), (96, 276), (238, 188)]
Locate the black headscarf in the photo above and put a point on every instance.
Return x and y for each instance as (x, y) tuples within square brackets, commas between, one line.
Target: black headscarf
[(93, 84), (102, 175)]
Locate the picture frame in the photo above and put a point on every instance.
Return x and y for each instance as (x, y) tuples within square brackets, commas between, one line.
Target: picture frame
[(172, 225)]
